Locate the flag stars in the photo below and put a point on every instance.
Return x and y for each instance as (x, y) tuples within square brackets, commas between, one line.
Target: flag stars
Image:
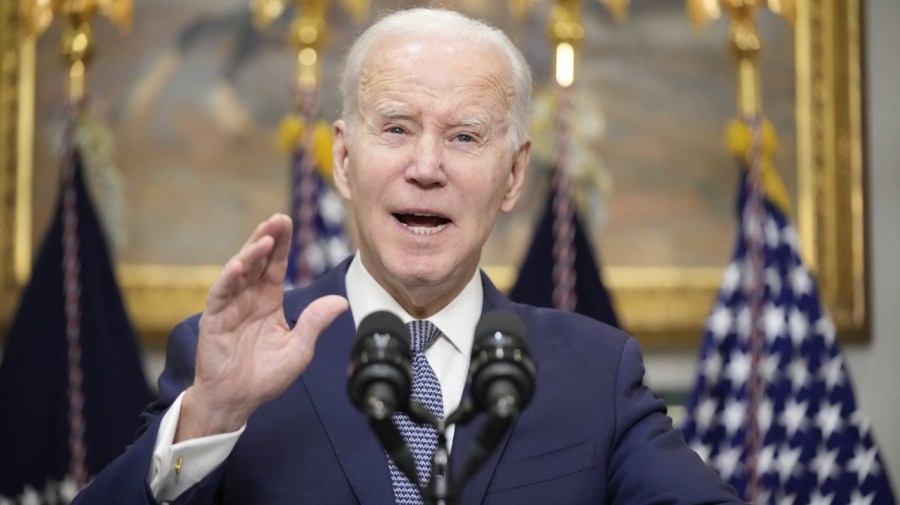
[(832, 372), (864, 463), (769, 367), (702, 450), (829, 419), (719, 322), (801, 282), (825, 464), (744, 323), (818, 499), (706, 411), (711, 366), (731, 279), (727, 462), (793, 416), (765, 462), (862, 424), (738, 368), (774, 322), (799, 374), (773, 236), (733, 416), (788, 500), (858, 498), (331, 208), (764, 415), (773, 281), (798, 327), (825, 327), (786, 464), (789, 238)]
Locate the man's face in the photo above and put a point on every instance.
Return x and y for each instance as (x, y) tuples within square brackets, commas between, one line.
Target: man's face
[(429, 165)]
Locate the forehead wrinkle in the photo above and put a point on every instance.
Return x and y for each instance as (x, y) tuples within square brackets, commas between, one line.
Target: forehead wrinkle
[(380, 75)]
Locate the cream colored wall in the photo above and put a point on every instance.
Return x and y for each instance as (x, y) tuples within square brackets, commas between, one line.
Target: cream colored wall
[(876, 367)]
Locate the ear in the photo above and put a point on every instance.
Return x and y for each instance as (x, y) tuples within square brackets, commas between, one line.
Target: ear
[(340, 152), (516, 176)]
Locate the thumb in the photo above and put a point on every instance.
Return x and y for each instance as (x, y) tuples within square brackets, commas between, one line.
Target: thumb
[(317, 316)]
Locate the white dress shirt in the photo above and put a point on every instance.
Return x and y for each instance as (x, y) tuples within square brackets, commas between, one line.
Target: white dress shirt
[(448, 356)]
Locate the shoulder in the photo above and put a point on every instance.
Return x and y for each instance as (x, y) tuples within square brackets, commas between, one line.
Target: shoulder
[(557, 328), (579, 347)]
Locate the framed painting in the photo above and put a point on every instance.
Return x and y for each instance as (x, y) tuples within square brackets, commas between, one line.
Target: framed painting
[(194, 95)]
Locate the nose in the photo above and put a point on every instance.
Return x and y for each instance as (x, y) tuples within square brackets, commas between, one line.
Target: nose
[(427, 165)]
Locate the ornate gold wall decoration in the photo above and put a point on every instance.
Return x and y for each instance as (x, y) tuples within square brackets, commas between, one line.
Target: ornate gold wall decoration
[(664, 306)]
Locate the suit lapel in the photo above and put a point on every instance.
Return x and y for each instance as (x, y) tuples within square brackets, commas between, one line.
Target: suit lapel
[(358, 450), (355, 445), (474, 490)]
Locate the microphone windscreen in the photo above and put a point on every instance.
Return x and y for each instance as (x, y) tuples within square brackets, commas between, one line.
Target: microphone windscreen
[(382, 321), (504, 322)]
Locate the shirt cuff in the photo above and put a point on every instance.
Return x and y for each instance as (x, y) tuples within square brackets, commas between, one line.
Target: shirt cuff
[(177, 467)]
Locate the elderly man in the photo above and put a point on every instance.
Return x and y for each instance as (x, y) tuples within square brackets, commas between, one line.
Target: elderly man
[(253, 407)]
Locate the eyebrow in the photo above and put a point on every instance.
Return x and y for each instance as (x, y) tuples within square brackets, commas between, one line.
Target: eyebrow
[(474, 121), (390, 112)]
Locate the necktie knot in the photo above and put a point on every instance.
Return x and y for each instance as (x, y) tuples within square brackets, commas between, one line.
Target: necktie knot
[(422, 334)]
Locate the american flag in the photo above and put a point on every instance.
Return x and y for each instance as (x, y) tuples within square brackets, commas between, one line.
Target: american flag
[(319, 241), (773, 409)]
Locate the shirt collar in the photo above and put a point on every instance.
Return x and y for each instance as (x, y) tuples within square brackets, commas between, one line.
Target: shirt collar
[(456, 321)]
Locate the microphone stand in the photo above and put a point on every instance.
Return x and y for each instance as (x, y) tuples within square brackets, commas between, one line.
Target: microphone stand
[(443, 488)]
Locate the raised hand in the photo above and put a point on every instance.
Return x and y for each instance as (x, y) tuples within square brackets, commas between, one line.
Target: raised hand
[(247, 354)]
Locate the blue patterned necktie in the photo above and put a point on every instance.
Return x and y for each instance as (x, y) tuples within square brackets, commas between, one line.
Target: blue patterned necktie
[(421, 439)]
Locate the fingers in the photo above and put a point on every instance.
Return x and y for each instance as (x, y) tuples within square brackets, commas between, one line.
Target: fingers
[(317, 316), (263, 257)]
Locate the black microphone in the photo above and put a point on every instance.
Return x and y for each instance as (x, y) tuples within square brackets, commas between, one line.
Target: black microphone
[(380, 366), (501, 369), (502, 381), (380, 381)]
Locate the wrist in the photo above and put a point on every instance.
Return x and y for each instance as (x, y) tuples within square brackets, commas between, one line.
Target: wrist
[(201, 418)]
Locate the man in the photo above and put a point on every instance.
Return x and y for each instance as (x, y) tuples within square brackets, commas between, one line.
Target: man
[(253, 406)]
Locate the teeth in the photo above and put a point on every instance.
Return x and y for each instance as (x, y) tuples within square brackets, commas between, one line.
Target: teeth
[(425, 230)]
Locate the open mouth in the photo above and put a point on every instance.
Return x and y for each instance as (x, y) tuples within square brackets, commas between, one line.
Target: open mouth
[(422, 224)]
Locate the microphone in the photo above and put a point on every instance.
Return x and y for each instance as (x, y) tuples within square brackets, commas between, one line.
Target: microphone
[(380, 381), (501, 369), (502, 381), (380, 366)]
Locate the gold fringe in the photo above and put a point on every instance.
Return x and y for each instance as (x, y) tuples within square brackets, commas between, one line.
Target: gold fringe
[(292, 129), (739, 139)]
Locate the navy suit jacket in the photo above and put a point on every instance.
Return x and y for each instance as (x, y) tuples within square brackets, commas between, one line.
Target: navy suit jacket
[(593, 433)]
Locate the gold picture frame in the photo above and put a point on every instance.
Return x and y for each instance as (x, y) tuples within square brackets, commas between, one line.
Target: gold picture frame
[(665, 307)]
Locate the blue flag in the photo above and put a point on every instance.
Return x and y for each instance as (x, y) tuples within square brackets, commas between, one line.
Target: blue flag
[(535, 283), (773, 409), (71, 381), (318, 241)]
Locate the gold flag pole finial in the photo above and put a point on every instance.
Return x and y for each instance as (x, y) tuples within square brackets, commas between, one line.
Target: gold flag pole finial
[(77, 45), (744, 45), (744, 42), (566, 32)]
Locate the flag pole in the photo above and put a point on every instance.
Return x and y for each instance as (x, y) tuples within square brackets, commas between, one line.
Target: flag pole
[(752, 140), (77, 49), (566, 32)]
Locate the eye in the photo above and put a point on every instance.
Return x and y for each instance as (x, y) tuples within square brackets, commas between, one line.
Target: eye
[(397, 130), (465, 138)]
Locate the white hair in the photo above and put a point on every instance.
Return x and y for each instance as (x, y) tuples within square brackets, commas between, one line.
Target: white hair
[(442, 25)]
